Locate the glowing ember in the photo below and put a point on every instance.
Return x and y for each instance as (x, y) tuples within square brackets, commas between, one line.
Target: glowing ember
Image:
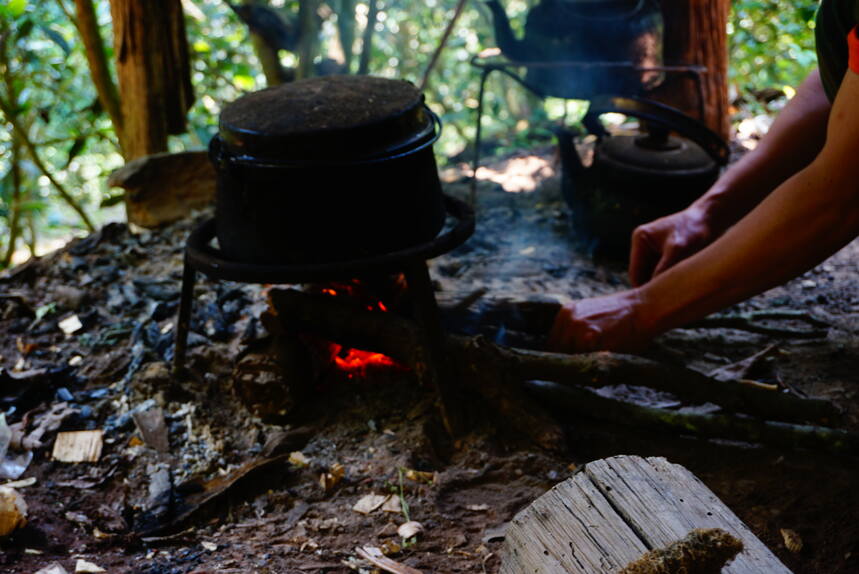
[(355, 361)]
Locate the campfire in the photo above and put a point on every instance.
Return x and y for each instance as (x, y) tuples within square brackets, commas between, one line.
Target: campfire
[(357, 363)]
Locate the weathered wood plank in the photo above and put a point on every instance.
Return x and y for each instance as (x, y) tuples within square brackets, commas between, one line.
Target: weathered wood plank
[(616, 509), (662, 502), (571, 528)]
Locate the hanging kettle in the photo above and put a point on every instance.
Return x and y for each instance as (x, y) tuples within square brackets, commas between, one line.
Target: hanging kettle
[(615, 44), (636, 178)]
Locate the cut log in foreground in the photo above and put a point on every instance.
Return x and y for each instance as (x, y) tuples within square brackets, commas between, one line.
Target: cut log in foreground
[(499, 375), (615, 510)]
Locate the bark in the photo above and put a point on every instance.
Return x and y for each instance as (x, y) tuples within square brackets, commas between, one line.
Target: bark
[(14, 216), (346, 31), (696, 34), (154, 72), (87, 26), (367, 43), (308, 37)]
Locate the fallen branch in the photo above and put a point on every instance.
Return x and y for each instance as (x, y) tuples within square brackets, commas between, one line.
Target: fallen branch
[(602, 369), (584, 403), (751, 321)]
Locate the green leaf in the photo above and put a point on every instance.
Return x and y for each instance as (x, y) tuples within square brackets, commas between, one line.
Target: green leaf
[(244, 82), (57, 38), (33, 205), (45, 310), (16, 7), (201, 46), (25, 29), (76, 148)]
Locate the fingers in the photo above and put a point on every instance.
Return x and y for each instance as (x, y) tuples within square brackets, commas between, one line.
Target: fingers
[(572, 334), (669, 258), (558, 335), (643, 258)]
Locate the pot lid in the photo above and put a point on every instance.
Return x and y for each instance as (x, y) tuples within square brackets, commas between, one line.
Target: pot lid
[(663, 154), (352, 117)]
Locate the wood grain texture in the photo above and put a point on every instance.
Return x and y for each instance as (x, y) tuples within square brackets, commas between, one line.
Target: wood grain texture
[(696, 34), (616, 509), (154, 72)]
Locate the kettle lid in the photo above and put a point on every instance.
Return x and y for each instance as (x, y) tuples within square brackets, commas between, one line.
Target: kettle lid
[(656, 152)]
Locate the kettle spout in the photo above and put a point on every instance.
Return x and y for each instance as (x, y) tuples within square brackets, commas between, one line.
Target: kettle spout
[(504, 37), (571, 163)]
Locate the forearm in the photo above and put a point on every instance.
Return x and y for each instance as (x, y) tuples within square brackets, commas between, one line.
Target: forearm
[(805, 220), (793, 141)]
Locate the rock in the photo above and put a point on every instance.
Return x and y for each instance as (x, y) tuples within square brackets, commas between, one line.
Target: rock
[(13, 510), (53, 568), (68, 297), (153, 428)]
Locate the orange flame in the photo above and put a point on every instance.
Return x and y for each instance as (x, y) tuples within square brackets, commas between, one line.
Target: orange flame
[(355, 362)]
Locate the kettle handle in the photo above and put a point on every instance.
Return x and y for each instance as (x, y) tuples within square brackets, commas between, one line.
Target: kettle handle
[(660, 114)]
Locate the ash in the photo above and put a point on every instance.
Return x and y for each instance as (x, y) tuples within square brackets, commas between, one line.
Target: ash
[(203, 506)]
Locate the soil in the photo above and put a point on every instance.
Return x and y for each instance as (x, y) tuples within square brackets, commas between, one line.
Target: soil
[(378, 426)]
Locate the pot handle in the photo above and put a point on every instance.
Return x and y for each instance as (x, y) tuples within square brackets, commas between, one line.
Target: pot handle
[(660, 114)]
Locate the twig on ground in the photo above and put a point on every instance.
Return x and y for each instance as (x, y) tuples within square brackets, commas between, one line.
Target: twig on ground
[(751, 321), (585, 403)]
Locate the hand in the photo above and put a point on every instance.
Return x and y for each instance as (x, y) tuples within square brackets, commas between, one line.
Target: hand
[(608, 323), (660, 244)]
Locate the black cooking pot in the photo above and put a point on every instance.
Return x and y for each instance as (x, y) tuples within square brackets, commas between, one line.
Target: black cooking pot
[(325, 170), (637, 178)]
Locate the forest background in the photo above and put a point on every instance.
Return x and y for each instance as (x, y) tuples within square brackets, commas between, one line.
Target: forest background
[(58, 144)]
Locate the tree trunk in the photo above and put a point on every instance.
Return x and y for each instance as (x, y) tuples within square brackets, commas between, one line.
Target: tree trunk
[(696, 34), (346, 31), (308, 37), (367, 44), (154, 72), (87, 26)]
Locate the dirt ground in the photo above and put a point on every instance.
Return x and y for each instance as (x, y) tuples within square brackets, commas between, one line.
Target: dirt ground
[(377, 429)]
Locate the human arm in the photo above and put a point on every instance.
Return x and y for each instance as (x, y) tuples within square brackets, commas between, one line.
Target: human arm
[(805, 219), (793, 141)]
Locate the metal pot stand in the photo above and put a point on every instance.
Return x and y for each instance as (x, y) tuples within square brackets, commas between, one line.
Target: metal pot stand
[(201, 256)]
